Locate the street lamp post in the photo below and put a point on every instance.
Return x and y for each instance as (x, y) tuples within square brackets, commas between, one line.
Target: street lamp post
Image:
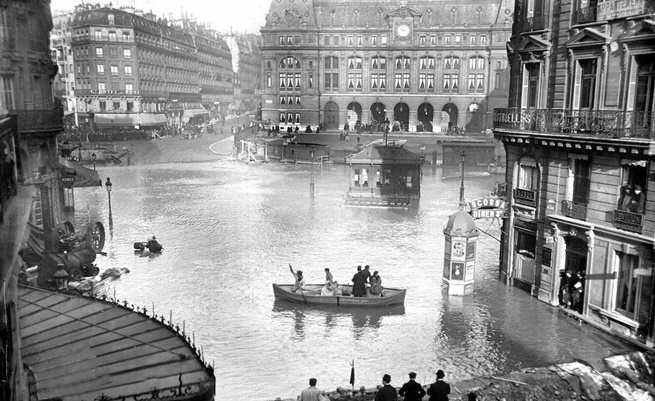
[(462, 202), (311, 180), (108, 185), (93, 157)]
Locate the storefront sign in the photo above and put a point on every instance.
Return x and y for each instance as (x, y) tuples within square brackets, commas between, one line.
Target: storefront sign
[(613, 9), (488, 208)]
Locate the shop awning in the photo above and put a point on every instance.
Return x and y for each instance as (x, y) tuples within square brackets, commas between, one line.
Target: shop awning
[(75, 175), (189, 113), (116, 120), (149, 120)]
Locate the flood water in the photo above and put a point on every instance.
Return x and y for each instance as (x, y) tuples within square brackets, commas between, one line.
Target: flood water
[(230, 230)]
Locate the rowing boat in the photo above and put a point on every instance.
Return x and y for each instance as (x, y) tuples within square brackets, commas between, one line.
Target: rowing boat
[(311, 295)]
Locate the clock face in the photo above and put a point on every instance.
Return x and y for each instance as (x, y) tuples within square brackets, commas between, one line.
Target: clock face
[(402, 30)]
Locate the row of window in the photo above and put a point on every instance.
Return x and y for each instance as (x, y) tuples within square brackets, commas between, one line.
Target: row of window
[(100, 52), (383, 40), (116, 106), (380, 63), (382, 178), (100, 69), (402, 82)]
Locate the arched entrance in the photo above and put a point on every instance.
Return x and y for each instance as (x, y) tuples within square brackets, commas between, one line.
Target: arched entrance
[(354, 114), (425, 116), (474, 118), (449, 115), (378, 111), (331, 116), (401, 116), (571, 290)]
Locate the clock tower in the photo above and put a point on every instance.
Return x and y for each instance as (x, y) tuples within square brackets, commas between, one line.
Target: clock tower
[(403, 24)]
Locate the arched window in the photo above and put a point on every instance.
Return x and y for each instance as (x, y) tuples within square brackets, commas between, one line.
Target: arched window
[(451, 63), (378, 63), (290, 75), (426, 63), (402, 63), (476, 63), (354, 63)]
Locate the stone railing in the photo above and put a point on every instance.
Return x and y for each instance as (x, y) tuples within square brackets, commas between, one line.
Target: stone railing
[(594, 123)]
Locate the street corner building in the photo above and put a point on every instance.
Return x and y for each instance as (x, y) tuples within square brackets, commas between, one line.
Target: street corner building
[(579, 135), (419, 66)]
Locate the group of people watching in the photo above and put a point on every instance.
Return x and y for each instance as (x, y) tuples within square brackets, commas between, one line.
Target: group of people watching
[(571, 293), (632, 199), (364, 283), (411, 390)]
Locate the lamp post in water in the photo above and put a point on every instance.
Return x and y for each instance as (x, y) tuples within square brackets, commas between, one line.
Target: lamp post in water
[(108, 185), (311, 179), (93, 157)]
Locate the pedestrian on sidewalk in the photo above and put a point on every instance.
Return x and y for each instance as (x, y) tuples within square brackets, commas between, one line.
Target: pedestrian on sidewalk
[(439, 390), (412, 391)]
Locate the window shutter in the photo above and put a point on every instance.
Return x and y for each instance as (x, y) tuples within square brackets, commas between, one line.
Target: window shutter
[(577, 76), (632, 92), (524, 93)]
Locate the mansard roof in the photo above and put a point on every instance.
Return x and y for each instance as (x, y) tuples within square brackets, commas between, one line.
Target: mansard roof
[(380, 13)]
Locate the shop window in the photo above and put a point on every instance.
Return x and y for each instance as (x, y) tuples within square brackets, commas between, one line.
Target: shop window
[(526, 243), (627, 284)]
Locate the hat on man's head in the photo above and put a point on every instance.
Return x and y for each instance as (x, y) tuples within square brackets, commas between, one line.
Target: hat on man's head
[(366, 267), (386, 378), (412, 375), (440, 374)]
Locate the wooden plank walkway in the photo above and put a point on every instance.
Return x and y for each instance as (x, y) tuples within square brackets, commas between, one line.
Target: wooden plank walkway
[(80, 348)]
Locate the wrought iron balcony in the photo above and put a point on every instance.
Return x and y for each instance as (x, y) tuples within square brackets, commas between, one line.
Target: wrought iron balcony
[(592, 123), (585, 15), (574, 210), (38, 120), (628, 221), (525, 197)]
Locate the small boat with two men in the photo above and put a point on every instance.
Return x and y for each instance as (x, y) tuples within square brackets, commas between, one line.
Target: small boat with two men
[(310, 294)]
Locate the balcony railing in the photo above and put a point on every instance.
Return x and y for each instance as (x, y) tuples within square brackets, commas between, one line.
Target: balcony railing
[(535, 23), (585, 15), (105, 92), (38, 120), (574, 210), (596, 123), (628, 221), (525, 197)]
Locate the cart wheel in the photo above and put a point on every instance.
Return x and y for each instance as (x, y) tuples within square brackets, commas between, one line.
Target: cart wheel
[(98, 237)]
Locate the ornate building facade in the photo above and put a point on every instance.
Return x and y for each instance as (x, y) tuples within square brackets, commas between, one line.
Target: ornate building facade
[(135, 69), (579, 138), (30, 120), (422, 65)]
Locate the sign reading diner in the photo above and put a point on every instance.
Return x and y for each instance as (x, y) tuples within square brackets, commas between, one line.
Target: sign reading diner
[(487, 208), (613, 9)]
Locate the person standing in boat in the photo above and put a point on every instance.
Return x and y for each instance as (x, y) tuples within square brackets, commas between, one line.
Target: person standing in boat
[(376, 284), (366, 273), (328, 276), (299, 284), (359, 283)]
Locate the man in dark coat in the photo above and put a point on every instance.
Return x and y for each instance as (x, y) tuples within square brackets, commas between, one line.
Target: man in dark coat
[(412, 391), (387, 392), (439, 390), (359, 283)]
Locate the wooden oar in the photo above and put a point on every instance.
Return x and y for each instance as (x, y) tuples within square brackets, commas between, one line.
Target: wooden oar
[(299, 286)]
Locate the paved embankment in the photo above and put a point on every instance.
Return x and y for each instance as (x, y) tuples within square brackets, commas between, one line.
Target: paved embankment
[(623, 377)]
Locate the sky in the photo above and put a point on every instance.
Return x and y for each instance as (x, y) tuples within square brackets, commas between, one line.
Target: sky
[(223, 15)]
